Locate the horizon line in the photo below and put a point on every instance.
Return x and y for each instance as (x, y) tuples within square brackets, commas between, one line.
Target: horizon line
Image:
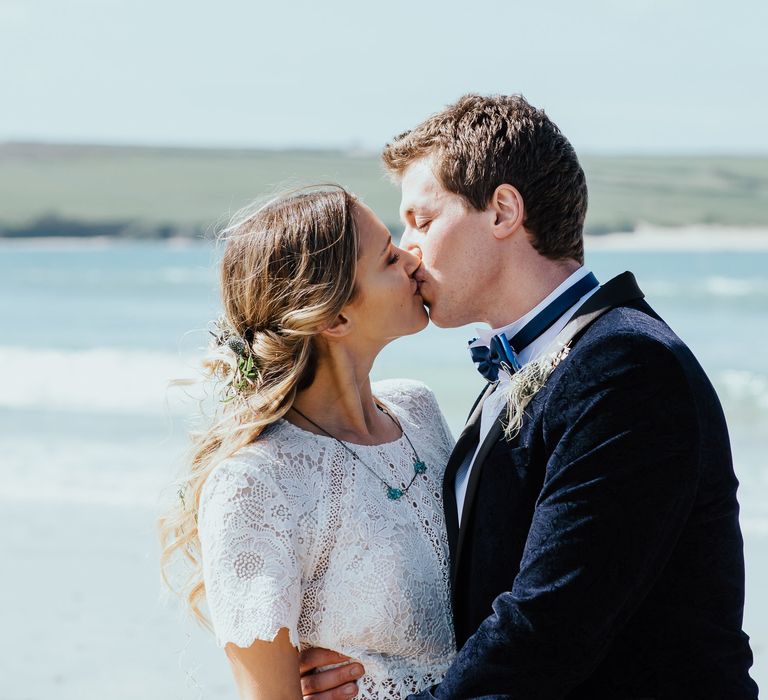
[(348, 149)]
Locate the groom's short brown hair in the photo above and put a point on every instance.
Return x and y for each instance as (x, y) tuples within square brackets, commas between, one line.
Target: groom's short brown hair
[(480, 142)]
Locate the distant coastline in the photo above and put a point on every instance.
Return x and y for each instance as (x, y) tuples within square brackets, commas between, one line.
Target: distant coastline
[(70, 191), (55, 227), (702, 238)]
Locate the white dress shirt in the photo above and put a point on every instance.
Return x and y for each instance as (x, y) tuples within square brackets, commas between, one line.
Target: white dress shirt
[(494, 403)]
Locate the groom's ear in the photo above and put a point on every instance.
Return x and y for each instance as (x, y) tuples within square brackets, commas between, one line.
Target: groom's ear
[(507, 204)]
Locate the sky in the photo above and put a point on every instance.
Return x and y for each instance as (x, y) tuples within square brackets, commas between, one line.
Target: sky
[(622, 76)]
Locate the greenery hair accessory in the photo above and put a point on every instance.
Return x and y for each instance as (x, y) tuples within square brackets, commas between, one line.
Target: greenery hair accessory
[(244, 372)]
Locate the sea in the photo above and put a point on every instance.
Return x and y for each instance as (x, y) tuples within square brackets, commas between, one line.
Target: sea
[(92, 335)]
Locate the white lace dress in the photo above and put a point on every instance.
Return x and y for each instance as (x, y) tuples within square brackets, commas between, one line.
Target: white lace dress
[(295, 533)]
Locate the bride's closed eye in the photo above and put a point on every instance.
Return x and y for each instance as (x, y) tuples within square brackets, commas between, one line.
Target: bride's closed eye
[(393, 258)]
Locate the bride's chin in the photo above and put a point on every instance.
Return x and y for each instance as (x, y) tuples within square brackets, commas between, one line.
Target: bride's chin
[(424, 323), (419, 325)]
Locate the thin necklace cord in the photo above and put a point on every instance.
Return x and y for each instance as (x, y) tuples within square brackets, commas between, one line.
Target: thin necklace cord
[(393, 493)]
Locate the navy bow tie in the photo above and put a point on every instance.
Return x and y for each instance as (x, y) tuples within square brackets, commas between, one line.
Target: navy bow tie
[(503, 351), (490, 359)]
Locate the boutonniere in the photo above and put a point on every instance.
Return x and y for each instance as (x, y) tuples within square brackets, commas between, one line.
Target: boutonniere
[(526, 383), (560, 355)]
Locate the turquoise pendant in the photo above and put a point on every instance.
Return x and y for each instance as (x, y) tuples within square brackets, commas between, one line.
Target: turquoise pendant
[(419, 467), (394, 494)]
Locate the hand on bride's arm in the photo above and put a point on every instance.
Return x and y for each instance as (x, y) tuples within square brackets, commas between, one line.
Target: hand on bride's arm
[(266, 670), (335, 683)]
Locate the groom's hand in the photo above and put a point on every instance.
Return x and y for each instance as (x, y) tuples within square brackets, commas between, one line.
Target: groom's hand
[(333, 684)]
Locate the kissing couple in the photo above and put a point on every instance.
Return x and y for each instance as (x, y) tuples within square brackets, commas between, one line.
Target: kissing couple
[(581, 537)]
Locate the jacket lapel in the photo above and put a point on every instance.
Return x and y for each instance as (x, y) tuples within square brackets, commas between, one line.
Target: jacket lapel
[(619, 291), (467, 441), (474, 478)]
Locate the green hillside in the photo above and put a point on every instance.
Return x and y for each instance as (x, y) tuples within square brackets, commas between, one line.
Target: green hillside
[(161, 191)]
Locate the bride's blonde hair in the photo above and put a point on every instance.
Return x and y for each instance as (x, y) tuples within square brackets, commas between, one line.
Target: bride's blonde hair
[(288, 269)]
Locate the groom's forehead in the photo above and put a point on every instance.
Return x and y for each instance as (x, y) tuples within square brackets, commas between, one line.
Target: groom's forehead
[(414, 202), (419, 189)]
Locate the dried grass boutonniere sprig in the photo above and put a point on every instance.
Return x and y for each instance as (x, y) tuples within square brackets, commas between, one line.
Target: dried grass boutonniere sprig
[(526, 383)]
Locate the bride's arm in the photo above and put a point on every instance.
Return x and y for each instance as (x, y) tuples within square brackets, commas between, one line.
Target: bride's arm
[(252, 570), (266, 670)]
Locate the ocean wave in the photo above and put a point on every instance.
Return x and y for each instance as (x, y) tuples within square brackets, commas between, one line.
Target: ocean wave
[(743, 391), (187, 275), (755, 526), (198, 276), (738, 287), (88, 470), (97, 380), (137, 382), (695, 238), (111, 442), (714, 286)]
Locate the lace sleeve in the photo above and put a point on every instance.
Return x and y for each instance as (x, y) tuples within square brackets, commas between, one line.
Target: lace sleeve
[(251, 568)]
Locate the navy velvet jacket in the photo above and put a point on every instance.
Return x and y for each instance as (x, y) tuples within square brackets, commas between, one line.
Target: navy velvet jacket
[(600, 554)]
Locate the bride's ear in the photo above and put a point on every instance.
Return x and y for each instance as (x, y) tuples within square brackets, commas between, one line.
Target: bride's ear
[(340, 327), (507, 203)]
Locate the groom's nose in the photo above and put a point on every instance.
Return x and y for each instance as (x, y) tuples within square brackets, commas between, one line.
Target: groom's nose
[(412, 262), (408, 243)]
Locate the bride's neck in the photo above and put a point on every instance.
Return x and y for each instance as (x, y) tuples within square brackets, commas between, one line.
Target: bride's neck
[(340, 399)]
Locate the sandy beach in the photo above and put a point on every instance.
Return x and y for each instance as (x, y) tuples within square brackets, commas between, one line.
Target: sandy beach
[(85, 617)]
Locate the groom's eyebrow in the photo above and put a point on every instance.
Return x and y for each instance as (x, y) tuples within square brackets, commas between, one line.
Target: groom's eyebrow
[(411, 210)]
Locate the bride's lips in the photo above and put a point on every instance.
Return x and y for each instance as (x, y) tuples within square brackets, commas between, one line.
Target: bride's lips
[(419, 291), (419, 278)]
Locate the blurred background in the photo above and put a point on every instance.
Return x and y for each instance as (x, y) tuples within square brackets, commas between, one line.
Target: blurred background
[(131, 131)]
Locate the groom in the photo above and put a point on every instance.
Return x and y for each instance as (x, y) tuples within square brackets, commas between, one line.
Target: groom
[(596, 549)]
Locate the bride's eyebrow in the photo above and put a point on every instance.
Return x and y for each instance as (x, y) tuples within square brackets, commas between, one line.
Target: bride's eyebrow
[(386, 247)]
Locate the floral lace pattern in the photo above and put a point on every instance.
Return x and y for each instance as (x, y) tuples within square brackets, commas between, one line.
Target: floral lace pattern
[(295, 533)]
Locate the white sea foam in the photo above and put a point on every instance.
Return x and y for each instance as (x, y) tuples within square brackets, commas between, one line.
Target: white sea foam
[(186, 275), (697, 238), (755, 526), (737, 287), (97, 380), (136, 382), (714, 286), (742, 389), (128, 449), (201, 277), (88, 469)]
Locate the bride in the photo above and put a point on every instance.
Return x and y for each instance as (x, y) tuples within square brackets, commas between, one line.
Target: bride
[(312, 507)]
